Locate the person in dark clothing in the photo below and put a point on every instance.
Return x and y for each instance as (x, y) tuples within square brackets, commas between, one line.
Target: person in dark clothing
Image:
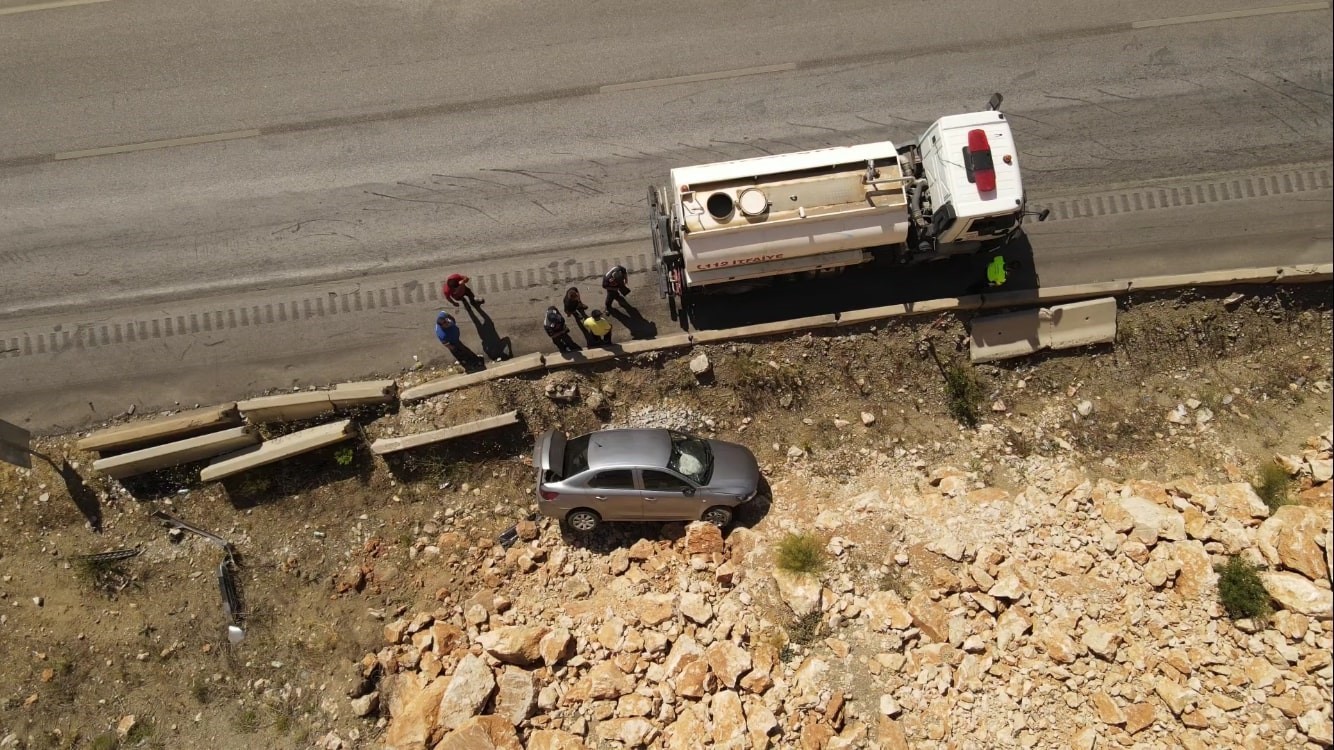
[(447, 330), (457, 290), (614, 283), (555, 327), (576, 308)]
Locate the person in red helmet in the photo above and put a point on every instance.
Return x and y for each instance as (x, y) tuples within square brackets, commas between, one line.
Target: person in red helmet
[(457, 290)]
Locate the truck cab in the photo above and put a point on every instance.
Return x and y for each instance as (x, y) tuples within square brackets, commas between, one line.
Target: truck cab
[(975, 190)]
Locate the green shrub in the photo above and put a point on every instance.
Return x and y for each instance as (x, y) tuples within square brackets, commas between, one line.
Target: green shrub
[(1272, 485), (1240, 590), (343, 456), (964, 393), (805, 629), (801, 553)]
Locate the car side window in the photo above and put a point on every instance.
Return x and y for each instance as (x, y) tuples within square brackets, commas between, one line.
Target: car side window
[(661, 481), (615, 479)]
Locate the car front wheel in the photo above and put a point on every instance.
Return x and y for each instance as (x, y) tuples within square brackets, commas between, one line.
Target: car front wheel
[(718, 516), (583, 521)]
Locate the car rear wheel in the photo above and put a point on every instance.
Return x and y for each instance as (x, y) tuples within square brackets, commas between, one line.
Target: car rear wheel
[(583, 521), (718, 516)]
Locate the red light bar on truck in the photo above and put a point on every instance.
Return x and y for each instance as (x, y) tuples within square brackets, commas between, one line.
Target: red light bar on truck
[(979, 155)]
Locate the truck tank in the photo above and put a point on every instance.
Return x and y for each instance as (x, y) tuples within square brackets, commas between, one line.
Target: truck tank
[(772, 214)]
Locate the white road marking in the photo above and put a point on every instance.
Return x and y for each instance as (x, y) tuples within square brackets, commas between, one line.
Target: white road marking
[(47, 6), (737, 73), (150, 145), (1225, 15)]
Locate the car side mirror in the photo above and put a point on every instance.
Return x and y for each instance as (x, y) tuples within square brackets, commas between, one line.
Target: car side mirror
[(688, 492)]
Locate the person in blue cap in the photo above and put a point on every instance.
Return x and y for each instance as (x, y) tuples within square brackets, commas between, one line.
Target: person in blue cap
[(447, 330)]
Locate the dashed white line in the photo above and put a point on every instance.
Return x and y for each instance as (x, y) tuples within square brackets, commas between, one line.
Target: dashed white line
[(737, 73), (1230, 14), (150, 145), (47, 6)]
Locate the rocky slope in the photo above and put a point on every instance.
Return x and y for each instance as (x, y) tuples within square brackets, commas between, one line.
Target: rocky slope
[(1072, 612)]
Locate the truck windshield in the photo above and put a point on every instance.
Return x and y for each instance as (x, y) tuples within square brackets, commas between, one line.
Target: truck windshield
[(691, 457)]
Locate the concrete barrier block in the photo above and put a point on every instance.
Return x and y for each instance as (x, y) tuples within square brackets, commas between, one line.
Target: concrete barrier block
[(162, 429), (583, 357), (1079, 323), (765, 329), (286, 407), (277, 449), (176, 453), (640, 346), (1004, 336), (1304, 273), (1204, 278), (945, 304), (871, 314), (363, 393), (516, 366), (394, 444)]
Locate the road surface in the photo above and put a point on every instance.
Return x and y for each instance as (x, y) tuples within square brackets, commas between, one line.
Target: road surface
[(202, 201)]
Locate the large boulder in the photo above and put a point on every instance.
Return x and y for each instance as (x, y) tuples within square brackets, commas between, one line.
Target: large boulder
[(800, 591), (413, 723), (519, 645), (1288, 539), (482, 733), (470, 687), (1297, 594)]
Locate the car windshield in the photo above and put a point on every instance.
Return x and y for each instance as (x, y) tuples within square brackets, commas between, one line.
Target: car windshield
[(576, 456), (691, 457)]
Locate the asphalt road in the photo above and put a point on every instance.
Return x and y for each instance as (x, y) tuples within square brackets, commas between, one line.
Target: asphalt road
[(366, 149)]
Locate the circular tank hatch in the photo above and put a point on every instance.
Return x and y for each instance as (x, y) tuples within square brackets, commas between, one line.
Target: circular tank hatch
[(719, 205), (753, 202)]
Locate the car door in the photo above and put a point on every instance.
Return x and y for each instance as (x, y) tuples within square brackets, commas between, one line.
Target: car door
[(668, 497), (612, 493)]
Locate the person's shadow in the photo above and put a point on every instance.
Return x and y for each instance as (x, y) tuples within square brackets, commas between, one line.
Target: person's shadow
[(635, 324), (493, 346)]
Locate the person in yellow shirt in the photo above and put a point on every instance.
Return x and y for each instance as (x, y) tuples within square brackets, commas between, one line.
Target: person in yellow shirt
[(599, 328)]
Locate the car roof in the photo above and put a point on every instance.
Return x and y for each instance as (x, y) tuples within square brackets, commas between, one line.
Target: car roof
[(629, 447)]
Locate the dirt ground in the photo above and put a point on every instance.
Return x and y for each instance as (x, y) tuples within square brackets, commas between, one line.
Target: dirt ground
[(335, 543)]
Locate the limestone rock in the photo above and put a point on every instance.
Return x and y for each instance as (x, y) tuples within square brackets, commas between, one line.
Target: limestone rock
[(703, 539), (630, 732), (696, 608), (1288, 538), (366, 704), (1177, 698), (1158, 572), (687, 731), (413, 724), (930, 617), (516, 696), (1153, 521), (606, 681), (801, 592), (556, 646), (1298, 594), (519, 645), (728, 661), (1012, 623), (729, 721), (1239, 502), (868, 418), (482, 733), (470, 687), (1008, 587), (1084, 739), (1108, 711), (701, 365), (948, 545), (1101, 641), (554, 739), (655, 609), (1140, 716), (885, 610)]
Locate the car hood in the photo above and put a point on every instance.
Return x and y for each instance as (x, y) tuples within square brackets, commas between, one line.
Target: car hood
[(735, 470)]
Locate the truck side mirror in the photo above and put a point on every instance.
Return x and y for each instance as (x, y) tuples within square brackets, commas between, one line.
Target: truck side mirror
[(995, 101)]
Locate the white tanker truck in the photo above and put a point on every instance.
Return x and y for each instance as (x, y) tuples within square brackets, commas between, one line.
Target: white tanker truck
[(729, 226)]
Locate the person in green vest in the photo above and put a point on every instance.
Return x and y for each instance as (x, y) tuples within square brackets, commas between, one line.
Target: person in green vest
[(996, 272)]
